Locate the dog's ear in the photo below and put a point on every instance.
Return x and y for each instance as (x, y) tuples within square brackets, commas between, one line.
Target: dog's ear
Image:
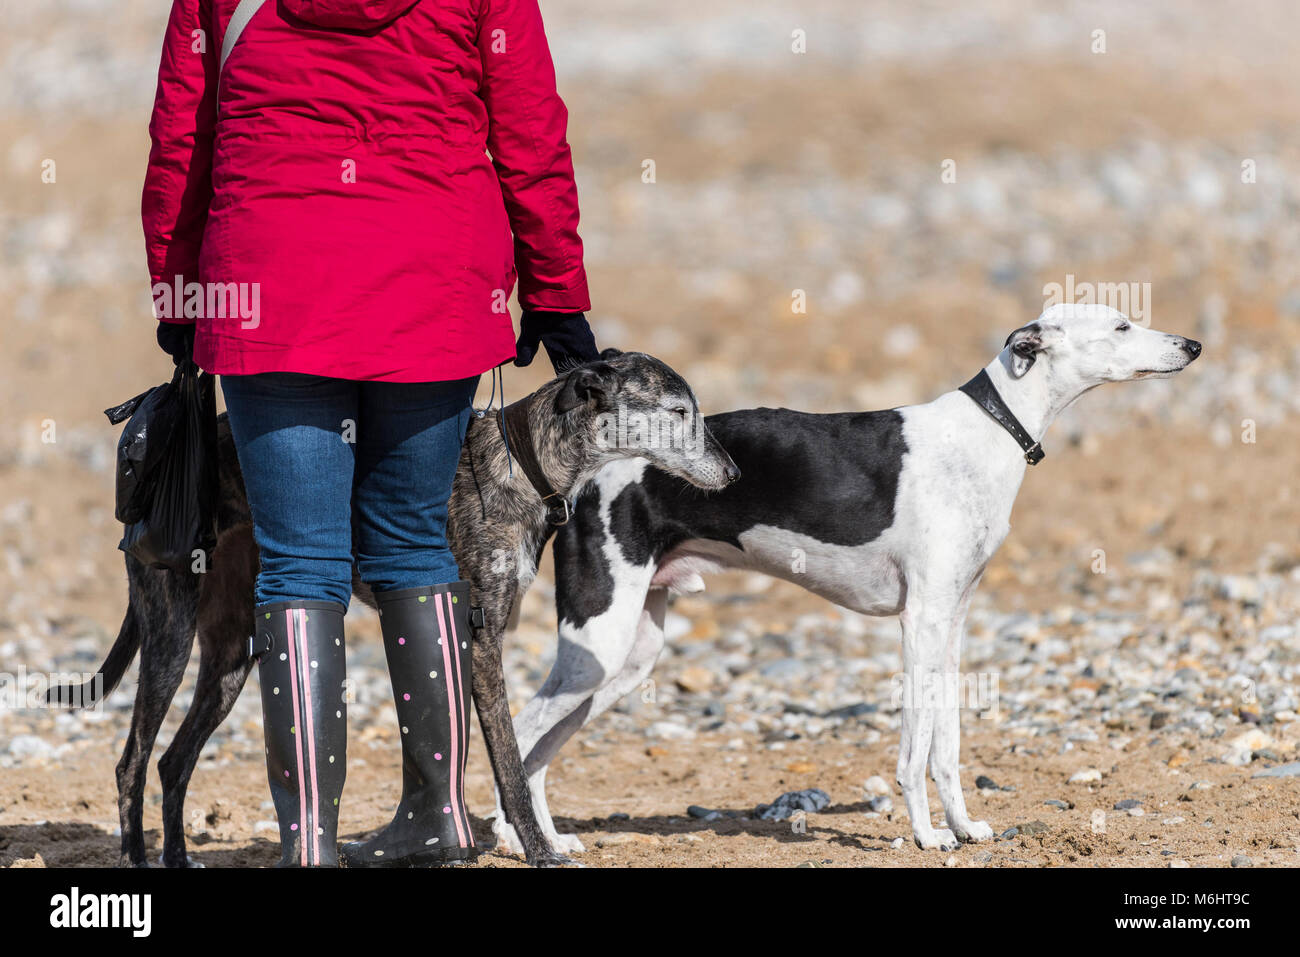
[(1025, 345), (593, 381), (610, 353)]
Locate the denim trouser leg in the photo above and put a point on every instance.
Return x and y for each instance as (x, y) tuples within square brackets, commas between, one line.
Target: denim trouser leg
[(317, 452), (408, 447)]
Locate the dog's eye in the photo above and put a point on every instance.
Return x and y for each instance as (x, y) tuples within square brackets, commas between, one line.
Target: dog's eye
[(1123, 327), (680, 410)]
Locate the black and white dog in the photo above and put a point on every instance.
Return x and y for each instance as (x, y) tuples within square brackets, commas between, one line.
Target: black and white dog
[(891, 512)]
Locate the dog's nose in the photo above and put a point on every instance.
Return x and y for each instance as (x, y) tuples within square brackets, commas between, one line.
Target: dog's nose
[(732, 473), (1192, 347)]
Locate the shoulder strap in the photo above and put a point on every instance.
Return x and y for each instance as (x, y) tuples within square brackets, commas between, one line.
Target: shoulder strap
[(238, 20)]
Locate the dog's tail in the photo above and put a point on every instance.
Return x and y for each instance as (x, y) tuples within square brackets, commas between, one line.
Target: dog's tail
[(87, 694)]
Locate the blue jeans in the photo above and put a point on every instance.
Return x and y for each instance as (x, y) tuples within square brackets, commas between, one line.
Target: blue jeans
[(326, 459)]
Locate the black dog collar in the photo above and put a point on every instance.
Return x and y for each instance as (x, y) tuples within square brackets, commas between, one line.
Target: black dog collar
[(985, 395), (513, 423)]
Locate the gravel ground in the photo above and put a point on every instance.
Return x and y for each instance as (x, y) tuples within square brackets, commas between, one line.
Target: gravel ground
[(1136, 637)]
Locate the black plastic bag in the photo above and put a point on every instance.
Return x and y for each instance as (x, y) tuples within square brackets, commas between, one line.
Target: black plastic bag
[(153, 418), (167, 470)]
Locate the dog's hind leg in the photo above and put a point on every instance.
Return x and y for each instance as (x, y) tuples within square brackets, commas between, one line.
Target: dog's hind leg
[(216, 691), (225, 619), (166, 606)]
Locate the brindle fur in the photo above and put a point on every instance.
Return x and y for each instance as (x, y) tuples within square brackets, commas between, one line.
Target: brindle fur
[(497, 530)]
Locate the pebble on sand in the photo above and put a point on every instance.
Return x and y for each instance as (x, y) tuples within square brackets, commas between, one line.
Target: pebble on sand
[(670, 731), (790, 803), (30, 746), (695, 679), (1241, 749), (876, 785), (702, 813), (1291, 770)]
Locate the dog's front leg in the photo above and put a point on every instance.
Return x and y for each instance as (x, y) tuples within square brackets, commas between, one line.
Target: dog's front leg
[(503, 750), (945, 750), (924, 637)]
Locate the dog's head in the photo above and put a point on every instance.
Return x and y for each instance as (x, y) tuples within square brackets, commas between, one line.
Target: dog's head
[(631, 405), (1086, 345)]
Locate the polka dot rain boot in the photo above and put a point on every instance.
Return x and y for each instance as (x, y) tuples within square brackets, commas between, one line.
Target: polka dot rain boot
[(427, 642), (299, 647)]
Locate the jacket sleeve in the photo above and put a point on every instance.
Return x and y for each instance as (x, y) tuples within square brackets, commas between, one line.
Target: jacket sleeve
[(526, 137), (178, 182)]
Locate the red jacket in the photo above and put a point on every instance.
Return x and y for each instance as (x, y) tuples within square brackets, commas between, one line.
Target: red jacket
[(346, 186)]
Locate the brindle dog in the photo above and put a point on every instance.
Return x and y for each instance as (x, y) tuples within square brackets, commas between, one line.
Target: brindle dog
[(497, 526)]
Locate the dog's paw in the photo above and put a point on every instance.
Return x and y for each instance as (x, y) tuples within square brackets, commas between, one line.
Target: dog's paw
[(507, 839), (553, 860), (974, 832), (566, 844), (943, 840)]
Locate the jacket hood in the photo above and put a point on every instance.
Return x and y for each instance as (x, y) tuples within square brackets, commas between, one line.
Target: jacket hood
[(349, 14)]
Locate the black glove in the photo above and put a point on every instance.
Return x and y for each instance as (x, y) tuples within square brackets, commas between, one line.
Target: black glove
[(177, 340), (566, 335)]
